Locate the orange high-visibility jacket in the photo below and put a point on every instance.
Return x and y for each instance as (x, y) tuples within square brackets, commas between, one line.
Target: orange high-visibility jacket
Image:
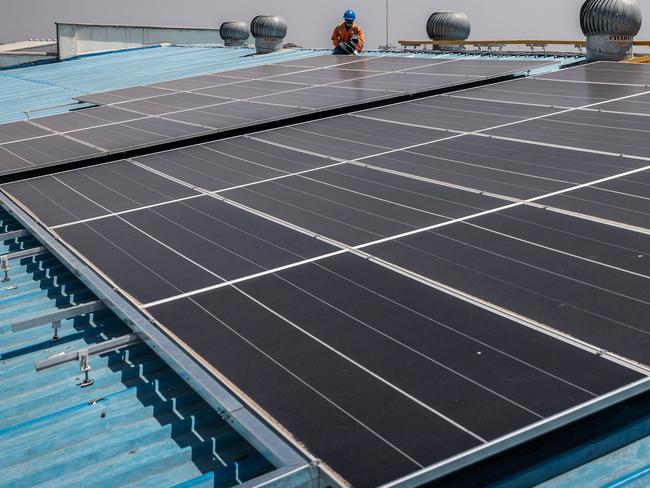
[(341, 33)]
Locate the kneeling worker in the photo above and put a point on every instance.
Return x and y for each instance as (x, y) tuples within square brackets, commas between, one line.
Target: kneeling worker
[(348, 37)]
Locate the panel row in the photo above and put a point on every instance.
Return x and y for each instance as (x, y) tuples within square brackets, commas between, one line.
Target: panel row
[(144, 116)]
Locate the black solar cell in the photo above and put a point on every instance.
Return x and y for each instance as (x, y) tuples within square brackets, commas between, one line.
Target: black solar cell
[(84, 119), (448, 112), (94, 191), (138, 133), (211, 241), (347, 137), (123, 95), (49, 150), (353, 210), (600, 305), (16, 131), (547, 92), (603, 73), (209, 168), (611, 133), (607, 201), (363, 338)]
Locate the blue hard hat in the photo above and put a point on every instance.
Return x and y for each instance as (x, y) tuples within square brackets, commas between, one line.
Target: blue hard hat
[(349, 15)]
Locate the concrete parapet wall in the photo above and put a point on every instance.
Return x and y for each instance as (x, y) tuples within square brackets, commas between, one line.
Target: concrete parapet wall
[(77, 39), (8, 60)]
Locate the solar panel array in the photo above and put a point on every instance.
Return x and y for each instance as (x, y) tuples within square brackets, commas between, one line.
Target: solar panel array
[(143, 116), (398, 285)]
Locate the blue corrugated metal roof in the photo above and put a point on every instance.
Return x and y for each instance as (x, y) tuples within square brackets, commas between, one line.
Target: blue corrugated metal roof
[(625, 467), (52, 85), (139, 424)]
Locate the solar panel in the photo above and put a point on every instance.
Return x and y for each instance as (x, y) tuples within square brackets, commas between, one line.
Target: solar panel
[(48, 150), (529, 91), (211, 168), (335, 205), (623, 200), (604, 72), (508, 168), (453, 113), (126, 185), (599, 131), (84, 119), (124, 95), (171, 103), (95, 191), (251, 88), (324, 76), (137, 133), (323, 61), (473, 67), (406, 82), (374, 356), (348, 137), (636, 105), (304, 263), (191, 107), (577, 294), (218, 242), (199, 82), (335, 69), (10, 162), (16, 131), (322, 97)]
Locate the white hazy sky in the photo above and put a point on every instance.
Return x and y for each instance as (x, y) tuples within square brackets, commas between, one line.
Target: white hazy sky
[(310, 21)]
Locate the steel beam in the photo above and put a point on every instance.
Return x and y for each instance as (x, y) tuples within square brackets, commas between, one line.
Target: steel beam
[(14, 234), (59, 315), (66, 357), (26, 252)]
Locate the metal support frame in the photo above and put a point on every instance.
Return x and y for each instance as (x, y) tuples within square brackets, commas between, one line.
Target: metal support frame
[(83, 355), (14, 234), (32, 251), (280, 450), (58, 316), (84, 367)]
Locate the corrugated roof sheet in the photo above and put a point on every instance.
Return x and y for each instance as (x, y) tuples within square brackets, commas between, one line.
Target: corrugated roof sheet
[(139, 424)]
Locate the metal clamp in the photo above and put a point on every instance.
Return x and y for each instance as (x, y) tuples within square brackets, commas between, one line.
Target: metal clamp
[(85, 367), (4, 267)]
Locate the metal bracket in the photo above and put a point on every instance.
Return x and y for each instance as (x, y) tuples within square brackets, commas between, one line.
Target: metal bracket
[(83, 355), (14, 234), (85, 367), (56, 325), (58, 316), (32, 251), (4, 267)]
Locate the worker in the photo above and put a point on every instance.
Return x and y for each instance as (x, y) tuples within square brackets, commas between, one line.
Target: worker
[(348, 37), (4, 267)]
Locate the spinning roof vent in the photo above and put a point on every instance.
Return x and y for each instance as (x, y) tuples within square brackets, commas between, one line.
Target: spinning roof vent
[(610, 27), (269, 32), (448, 26), (234, 34)]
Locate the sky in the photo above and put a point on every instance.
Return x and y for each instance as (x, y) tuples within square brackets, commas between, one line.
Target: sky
[(310, 21)]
